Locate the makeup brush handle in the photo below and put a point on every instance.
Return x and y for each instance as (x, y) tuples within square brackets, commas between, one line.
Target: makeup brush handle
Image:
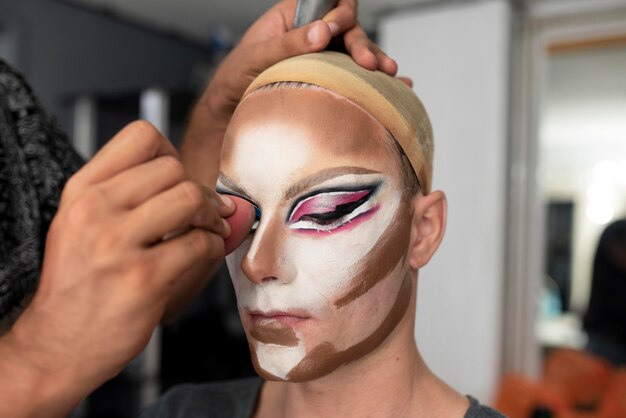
[(308, 11)]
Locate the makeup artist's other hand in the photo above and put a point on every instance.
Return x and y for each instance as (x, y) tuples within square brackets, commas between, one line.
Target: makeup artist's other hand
[(269, 40), (108, 272)]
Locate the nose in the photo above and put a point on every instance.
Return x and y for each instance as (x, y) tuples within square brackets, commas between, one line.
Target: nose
[(267, 259)]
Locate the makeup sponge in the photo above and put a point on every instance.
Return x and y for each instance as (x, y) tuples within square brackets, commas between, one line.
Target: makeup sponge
[(240, 223)]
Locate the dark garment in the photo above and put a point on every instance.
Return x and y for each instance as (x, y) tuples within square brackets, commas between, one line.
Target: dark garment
[(36, 160), (477, 410), (605, 319), (238, 399), (231, 399)]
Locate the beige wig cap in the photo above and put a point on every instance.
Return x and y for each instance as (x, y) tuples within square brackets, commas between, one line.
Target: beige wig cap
[(387, 99)]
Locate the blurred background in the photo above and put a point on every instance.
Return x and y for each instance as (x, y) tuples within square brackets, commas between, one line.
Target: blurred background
[(524, 306)]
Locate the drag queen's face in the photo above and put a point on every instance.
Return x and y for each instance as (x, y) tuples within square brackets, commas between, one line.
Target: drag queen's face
[(322, 279)]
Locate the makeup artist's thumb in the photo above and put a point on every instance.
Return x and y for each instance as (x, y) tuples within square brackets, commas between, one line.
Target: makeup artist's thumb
[(313, 37), (240, 222)]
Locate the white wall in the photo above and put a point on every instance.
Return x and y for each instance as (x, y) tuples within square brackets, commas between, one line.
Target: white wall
[(457, 55)]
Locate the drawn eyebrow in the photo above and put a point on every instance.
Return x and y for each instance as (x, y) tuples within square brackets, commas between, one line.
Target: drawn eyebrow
[(234, 187), (321, 176)]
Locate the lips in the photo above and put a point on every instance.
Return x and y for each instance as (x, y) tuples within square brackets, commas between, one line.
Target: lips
[(275, 318)]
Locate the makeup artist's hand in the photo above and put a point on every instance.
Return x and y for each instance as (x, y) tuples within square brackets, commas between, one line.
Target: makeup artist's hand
[(108, 271), (269, 40)]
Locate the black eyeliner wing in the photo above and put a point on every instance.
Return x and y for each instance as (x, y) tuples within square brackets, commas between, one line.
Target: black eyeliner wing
[(339, 212)]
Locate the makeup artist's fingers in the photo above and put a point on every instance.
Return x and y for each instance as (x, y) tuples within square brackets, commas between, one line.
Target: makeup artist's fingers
[(134, 186), (136, 143), (385, 64), (225, 205), (176, 209), (357, 45), (343, 17), (366, 53), (241, 222)]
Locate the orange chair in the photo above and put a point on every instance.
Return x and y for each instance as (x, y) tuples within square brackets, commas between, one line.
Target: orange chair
[(583, 377), (518, 397), (575, 384), (614, 401)]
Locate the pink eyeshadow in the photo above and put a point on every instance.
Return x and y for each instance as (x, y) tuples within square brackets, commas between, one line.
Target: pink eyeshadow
[(326, 202)]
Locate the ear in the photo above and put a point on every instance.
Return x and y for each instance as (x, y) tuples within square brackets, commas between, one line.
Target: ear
[(427, 227)]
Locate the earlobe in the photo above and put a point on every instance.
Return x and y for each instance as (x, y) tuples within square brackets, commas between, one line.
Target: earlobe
[(428, 225)]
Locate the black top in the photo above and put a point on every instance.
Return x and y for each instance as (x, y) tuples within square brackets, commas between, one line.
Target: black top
[(606, 313), (237, 399), (36, 159)]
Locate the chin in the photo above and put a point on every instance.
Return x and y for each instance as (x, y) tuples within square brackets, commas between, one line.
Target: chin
[(295, 378), (319, 362)]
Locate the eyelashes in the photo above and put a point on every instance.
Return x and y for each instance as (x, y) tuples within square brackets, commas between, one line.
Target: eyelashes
[(257, 218)]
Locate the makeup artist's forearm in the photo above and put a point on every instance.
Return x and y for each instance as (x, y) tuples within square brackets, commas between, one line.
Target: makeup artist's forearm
[(202, 142), (28, 392)]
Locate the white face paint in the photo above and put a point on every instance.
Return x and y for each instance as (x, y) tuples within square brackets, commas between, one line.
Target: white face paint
[(311, 281), (278, 360)]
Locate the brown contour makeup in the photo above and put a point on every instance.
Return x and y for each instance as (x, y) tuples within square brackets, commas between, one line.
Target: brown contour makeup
[(325, 358), (381, 259), (273, 332)]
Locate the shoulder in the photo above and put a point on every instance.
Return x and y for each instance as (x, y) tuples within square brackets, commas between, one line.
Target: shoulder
[(476, 410), (235, 398)]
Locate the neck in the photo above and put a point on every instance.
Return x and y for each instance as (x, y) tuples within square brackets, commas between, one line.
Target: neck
[(391, 381)]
